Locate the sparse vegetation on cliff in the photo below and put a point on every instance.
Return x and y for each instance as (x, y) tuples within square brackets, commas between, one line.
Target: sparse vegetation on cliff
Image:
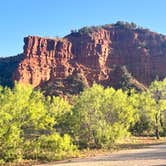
[(90, 29)]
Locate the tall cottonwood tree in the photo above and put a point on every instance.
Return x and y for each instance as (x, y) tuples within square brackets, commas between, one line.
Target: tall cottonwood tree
[(158, 92), (28, 121), (101, 116)]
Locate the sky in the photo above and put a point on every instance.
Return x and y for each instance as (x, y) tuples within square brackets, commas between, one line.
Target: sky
[(20, 18)]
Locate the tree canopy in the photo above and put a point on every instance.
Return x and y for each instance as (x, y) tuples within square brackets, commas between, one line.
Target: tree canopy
[(33, 126)]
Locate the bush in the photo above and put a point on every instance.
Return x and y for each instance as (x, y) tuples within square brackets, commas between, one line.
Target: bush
[(126, 25), (88, 30), (10, 144), (27, 120), (50, 147), (100, 117)]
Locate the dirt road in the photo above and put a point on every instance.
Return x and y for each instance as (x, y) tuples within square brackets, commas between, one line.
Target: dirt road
[(150, 156)]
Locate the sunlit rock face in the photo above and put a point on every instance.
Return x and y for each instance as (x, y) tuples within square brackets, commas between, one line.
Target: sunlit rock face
[(94, 53)]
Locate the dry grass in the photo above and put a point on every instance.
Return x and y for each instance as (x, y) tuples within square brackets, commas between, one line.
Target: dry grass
[(139, 142)]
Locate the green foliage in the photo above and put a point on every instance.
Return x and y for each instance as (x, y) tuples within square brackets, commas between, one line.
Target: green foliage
[(126, 25), (88, 30), (158, 92), (28, 117), (33, 126), (100, 117), (77, 83), (125, 82), (72, 85), (50, 147), (57, 108), (145, 122), (152, 110)]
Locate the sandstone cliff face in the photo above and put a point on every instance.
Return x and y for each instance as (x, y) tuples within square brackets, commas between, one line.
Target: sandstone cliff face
[(50, 59), (141, 51), (94, 53), (90, 52), (45, 59)]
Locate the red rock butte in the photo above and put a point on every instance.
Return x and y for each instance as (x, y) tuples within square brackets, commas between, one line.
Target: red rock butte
[(95, 53)]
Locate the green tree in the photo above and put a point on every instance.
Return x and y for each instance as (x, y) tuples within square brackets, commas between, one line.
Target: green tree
[(158, 93), (145, 105), (100, 116), (27, 117), (152, 110)]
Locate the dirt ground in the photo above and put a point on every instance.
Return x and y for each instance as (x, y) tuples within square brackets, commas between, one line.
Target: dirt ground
[(154, 155)]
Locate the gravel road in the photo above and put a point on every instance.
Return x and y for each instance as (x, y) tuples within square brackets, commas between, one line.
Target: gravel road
[(150, 156)]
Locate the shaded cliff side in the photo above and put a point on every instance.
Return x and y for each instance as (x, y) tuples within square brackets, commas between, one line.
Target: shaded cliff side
[(92, 54), (8, 66)]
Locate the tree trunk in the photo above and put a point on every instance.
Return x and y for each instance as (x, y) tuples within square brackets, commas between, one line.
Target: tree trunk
[(157, 133), (157, 127)]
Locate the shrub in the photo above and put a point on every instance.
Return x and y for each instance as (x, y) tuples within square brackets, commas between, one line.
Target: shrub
[(50, 147), (27, 120), (100, 117)]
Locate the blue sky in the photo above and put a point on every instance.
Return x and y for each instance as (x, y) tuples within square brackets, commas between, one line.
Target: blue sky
[(20, 18)]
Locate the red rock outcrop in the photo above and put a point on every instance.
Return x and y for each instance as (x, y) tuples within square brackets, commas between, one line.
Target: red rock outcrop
[(94, 53), (45, 59)]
